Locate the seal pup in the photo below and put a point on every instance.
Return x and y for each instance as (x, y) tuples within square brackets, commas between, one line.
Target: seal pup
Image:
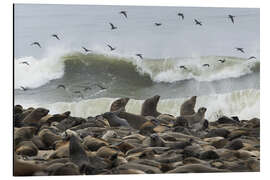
[(111, 48), (115, 121), (252, 57), (187, 108), (85, 49), (196, 119), (139, 55), (197, 22), (181, 15), (149, 107), (36, 43), (119, 104), (240, 49), (124, 13), (25, 62), (34, 117), (112, 26), (56, 36), (231, 17)]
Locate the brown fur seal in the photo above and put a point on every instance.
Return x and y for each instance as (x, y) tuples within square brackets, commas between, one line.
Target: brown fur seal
[(196, 168), (23, 134), (114, 120), (135, 121), (26, 148), (149, 107), (119, 104), (187, 108), (34, 117), (148, 127), (196, 120)]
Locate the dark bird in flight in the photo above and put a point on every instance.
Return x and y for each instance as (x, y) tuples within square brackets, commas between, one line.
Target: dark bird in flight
[(158, 24), (56, 36), (80, 93), (24, 88), (101, 87), (183, 67), (252, 57), (231, 17), (25, 62), (181, 15), (240, 49), (113, 27), (124, 13), (87, 88), (86, 50), (206, 65), (222, 60), (61, 86), (197, 22), (139, 55), (111, 48), (36, 43)]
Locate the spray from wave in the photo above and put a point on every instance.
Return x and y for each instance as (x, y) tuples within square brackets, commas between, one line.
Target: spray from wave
[(245, 104)]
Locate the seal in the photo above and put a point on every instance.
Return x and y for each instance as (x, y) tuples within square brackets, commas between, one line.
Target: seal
[(196, 120), (187, 108), (114, 120), (34, 117), (119, 104), (26, 148), (149, 107), (135, 121)]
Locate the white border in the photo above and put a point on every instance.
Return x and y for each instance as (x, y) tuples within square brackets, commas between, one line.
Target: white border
[(6, 78)]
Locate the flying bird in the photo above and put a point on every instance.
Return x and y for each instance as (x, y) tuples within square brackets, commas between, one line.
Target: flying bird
[(252, 57), (24, 88), (86, 50), (140, 56), (231, 17), (25, 62), (158, 24), (181, 15), (183, 67), (55, 35), (36, 43), (124, 13), (206, 65), (80, 93), (240, 49), (111, 48), (61, 86), (197, 22), (222, 60), (113, 27)]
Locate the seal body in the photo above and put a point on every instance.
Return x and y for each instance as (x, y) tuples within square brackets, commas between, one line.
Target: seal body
[(135, 121), (196, 120), (34, 117), (114, 120), (149, 107), (187, 108), (119, 104)]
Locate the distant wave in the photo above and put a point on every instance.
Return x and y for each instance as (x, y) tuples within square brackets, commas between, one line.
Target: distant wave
[(55, 66), (245, 104)]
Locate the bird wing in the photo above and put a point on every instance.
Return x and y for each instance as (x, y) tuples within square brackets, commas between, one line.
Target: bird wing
[(112, 26)]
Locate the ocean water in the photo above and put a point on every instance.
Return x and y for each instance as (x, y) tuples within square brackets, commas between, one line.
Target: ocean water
[(231, 88)]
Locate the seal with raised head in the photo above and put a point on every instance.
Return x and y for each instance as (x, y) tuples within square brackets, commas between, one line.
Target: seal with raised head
[(196, 120), (187, 108), (34, 117), (119, 104), (149, 107), (135, 121)]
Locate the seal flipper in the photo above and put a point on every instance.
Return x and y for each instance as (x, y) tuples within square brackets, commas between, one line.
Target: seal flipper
[(78, 156)]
